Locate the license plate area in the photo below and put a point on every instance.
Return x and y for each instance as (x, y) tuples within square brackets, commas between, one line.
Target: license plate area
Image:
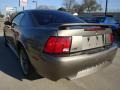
[(92, 42)]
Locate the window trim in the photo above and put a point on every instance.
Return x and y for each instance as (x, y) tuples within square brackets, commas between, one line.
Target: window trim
[(18, 15)]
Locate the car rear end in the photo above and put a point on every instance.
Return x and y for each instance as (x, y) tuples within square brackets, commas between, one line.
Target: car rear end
[(73, 47), (77, 47)]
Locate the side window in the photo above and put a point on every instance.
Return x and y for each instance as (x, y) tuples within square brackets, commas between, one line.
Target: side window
[(113, 21), (25, 21), (107, 20), (17, 19), (110, 20)]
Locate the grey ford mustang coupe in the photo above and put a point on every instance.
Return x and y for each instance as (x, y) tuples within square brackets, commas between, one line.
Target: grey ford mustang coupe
[(58, 45)]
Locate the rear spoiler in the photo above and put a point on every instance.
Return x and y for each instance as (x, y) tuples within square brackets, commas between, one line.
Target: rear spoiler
[(67, 25)]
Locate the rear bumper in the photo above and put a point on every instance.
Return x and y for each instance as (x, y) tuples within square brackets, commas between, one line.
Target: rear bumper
[(55, 68)]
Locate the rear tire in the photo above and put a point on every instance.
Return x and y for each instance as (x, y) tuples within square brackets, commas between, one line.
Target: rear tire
[(6, 42), (25, 64)]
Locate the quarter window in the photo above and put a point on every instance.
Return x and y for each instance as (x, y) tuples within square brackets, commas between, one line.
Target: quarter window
[(17, 19)]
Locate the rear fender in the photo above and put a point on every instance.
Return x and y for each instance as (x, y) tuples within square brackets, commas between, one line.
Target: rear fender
[(20, 45)]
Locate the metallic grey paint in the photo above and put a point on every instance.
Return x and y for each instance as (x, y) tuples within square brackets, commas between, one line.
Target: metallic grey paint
[(54, 67)]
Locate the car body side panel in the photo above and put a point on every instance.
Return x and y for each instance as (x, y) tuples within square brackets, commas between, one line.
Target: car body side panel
[(35, 43)]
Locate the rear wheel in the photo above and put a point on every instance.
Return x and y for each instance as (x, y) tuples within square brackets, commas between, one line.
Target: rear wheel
[(25, 63), (28, 70), (6, 42)]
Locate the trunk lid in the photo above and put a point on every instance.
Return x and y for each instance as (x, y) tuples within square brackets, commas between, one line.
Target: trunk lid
[(86, 36)]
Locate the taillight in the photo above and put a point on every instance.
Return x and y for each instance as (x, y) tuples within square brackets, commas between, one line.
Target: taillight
[(58, 45), (111, 38)]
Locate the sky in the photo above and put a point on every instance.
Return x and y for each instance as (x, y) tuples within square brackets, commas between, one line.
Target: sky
[(113, 5)]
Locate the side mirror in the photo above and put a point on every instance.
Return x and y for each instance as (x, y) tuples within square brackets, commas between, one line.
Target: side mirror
[(7, 23)]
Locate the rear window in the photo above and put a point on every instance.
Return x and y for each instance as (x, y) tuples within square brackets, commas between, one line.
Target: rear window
[(44, 18)]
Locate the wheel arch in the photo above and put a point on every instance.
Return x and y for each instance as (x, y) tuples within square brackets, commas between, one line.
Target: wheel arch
[(21, 45)]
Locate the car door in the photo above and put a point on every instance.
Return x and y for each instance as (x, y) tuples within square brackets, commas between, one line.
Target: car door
[(15, 27)]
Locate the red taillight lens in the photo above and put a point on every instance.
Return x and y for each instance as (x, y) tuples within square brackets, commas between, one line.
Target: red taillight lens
[(111, 38), (58, 45)]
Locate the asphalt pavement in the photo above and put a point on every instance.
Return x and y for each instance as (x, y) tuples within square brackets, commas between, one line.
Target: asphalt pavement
[(11, 77)]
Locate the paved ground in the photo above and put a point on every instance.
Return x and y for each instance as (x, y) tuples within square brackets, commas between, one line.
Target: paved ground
[(11, 77)]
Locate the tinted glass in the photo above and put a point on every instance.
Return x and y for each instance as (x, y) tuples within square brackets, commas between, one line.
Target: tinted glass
[(17, 19), (93, 19), (98, 19), (110, 20), (44, 18)]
